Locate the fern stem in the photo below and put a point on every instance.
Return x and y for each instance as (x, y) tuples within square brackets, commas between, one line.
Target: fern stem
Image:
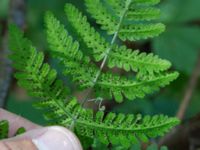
[(107, 52), (112, 42), (136, 129)]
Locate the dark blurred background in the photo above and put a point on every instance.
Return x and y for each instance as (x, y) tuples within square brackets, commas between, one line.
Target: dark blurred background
[(180, 44)]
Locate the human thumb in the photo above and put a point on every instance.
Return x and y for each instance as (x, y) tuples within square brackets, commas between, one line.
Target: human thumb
[(48, 138)]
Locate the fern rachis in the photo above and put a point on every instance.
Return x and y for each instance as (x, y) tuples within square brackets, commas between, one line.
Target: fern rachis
[(108, 84), (151, 71)]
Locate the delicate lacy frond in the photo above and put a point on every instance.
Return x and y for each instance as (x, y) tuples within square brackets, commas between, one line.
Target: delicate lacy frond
[(63, 44), (122, 20), (117, 129), (131, 89), (84, 72), (110, 85), (133, 12), (35, 75), (139, 14), (41, 82), (145, 2), (4, 128), (133, 3), (119, 56), (141, 31)]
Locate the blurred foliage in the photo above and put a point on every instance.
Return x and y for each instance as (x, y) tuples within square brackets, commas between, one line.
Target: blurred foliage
[(4, 6), (24, 108), (181, 40), (0, 36), (35, 17)]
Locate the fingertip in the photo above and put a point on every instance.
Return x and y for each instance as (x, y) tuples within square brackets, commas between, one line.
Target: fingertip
[(15, 122), (57, 137)]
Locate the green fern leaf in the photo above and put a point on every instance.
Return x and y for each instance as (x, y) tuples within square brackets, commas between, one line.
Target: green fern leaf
[(119, 56), (145, 2), (134, 3), (109, 85), (19, 131), (4, 128), (135, 12), (141, 14), (41, 81), (140, 31), (118, 129), (131, 89), (35, 75), (55, 30), (133, 31), (112, 128)]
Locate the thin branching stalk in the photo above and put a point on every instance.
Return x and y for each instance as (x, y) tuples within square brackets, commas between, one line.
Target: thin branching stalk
[(107, 52)]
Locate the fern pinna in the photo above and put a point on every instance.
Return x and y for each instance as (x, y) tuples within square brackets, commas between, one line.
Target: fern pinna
[(122, 20), (4, 130)]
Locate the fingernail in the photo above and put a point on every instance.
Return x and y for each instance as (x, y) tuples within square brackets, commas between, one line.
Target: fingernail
[(55, 138)]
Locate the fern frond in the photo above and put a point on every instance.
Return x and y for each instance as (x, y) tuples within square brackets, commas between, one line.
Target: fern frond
[(84, 74), (41, 81), (135, 12), (119, 56), (133, 3), (141, 31), (140, 14), (117, 129), (133, 31), (64, 43), (4, 128), (35, 75), (145, 2), (131, 89), (110, 85)]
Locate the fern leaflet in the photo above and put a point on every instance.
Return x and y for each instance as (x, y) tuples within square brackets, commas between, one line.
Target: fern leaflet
[(133, 31), (119, 56), (84, 72), (118, 129), (4, 129)]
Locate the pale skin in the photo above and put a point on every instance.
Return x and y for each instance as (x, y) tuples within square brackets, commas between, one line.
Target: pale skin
[(16, 122), (24, 142)]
